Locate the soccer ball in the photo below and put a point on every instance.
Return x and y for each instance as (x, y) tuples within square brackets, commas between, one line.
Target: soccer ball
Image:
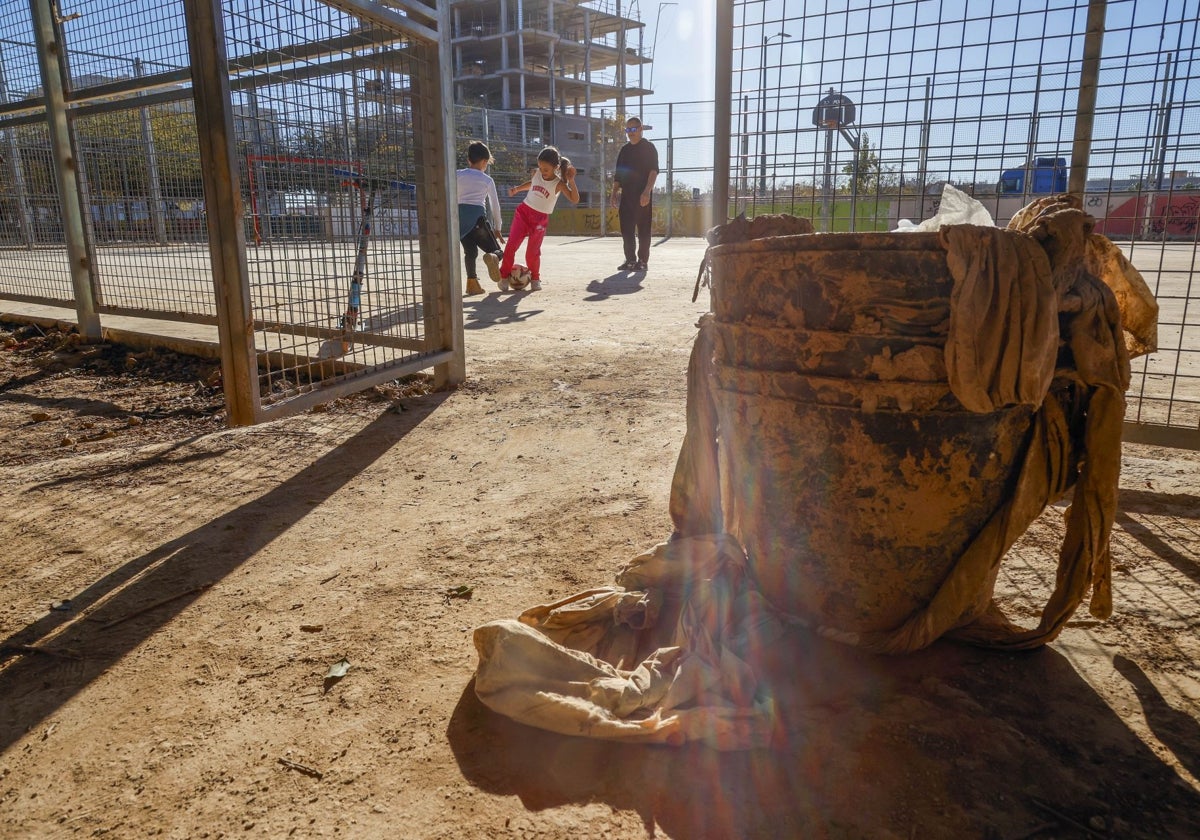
[(520, 277)]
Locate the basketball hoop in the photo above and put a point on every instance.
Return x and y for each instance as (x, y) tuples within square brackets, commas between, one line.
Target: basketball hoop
[(833, 112)]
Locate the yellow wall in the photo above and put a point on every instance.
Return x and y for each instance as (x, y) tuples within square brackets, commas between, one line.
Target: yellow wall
[(687, 220)]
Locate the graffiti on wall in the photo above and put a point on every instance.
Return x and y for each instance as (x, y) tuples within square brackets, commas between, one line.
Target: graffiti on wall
[(685, 220), (1172, 216), (1176, 217)]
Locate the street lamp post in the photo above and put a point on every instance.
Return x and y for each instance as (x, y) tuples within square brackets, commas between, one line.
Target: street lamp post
[(653, 51), (762, 115), (654, 41)]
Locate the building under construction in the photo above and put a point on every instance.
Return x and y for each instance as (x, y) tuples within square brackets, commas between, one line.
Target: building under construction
[(547, 71)]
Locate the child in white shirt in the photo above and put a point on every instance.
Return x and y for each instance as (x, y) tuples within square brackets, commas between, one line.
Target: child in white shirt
[(477, 200)]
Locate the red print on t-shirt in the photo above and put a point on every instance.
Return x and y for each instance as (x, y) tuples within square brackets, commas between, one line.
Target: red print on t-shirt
[(542, 190)]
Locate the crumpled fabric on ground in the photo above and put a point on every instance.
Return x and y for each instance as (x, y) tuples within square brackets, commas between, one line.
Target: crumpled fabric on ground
[(668, 654), (693, 678)]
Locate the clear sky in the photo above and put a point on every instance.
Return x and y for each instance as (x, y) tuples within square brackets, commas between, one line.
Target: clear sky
[(1004, 77), (684, 46)]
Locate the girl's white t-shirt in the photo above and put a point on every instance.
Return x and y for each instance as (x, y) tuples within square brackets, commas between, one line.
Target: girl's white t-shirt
[(543, 194)]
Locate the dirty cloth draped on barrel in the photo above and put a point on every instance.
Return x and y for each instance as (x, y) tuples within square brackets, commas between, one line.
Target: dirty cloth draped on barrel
[(669, 654)]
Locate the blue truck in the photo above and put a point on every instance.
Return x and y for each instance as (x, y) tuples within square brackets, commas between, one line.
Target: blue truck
[(1046, 175)]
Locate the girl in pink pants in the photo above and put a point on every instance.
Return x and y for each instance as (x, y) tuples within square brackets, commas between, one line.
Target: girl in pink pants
[(554, 175)]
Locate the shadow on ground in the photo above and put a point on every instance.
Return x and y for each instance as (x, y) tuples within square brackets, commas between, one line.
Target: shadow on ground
[(494, 309), (131, 603), (621, 283), (949, 742)]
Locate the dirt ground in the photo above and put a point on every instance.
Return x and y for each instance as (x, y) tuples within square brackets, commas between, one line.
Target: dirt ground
[(176, 597)]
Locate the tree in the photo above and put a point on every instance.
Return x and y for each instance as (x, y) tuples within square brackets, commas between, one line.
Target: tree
[(866, 173)]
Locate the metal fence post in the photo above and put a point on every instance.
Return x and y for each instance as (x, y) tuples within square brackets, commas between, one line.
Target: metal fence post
[(262, 221), (722, 119), (604, 188), (433, 128), (1031, 148), (66, 165), (223, 206), (1085, 109), (670, 163), (155, 197)]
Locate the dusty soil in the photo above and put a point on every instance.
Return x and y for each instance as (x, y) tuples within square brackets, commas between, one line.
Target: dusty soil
[(174, 595)]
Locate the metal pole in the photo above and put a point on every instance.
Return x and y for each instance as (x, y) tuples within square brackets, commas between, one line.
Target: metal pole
[(827, 191), (156, 199), (347, 153), (762, 121), (654, 41), (1085, 110), (1164, 123), (66, 166), (604, 188), (641, 72), (744, 157), (17, 168), (722, 118), (355, 209), (620, 63), (346, 126), (1031, 147), (778, 105), (670, 162), (1167, 122), (223, 206), (923, 159), (762, 117), (263, 222), (551, 91), (855, 168)]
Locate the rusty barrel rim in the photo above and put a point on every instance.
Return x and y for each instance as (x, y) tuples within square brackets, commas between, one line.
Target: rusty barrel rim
[(872, 241)]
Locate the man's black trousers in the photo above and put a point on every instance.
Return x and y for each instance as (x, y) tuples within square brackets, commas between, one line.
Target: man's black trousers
[(635, 219)]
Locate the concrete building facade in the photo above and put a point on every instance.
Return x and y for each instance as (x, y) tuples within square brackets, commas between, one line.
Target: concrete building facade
[(544, 72)]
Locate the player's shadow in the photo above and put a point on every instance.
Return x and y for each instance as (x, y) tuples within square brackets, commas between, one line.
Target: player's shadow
[(496, 308), (1159, 544), (949, 742), (620, 283), (1177, 730), (53, 658), (378, 322)]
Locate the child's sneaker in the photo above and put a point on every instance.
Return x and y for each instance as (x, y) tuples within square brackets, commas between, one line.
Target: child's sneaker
[(492, 261), (535, 285), (503, 281)]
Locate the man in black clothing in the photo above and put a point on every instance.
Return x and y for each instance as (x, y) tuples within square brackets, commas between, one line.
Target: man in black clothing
[(633, 181)]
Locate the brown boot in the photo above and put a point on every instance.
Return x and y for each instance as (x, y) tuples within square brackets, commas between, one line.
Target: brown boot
[(473, 287)]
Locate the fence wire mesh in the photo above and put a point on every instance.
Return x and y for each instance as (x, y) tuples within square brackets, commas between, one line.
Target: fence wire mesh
[(323, 108), (29, 203), (19, 72), (115, 40), (857, 114), (326, 124)]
